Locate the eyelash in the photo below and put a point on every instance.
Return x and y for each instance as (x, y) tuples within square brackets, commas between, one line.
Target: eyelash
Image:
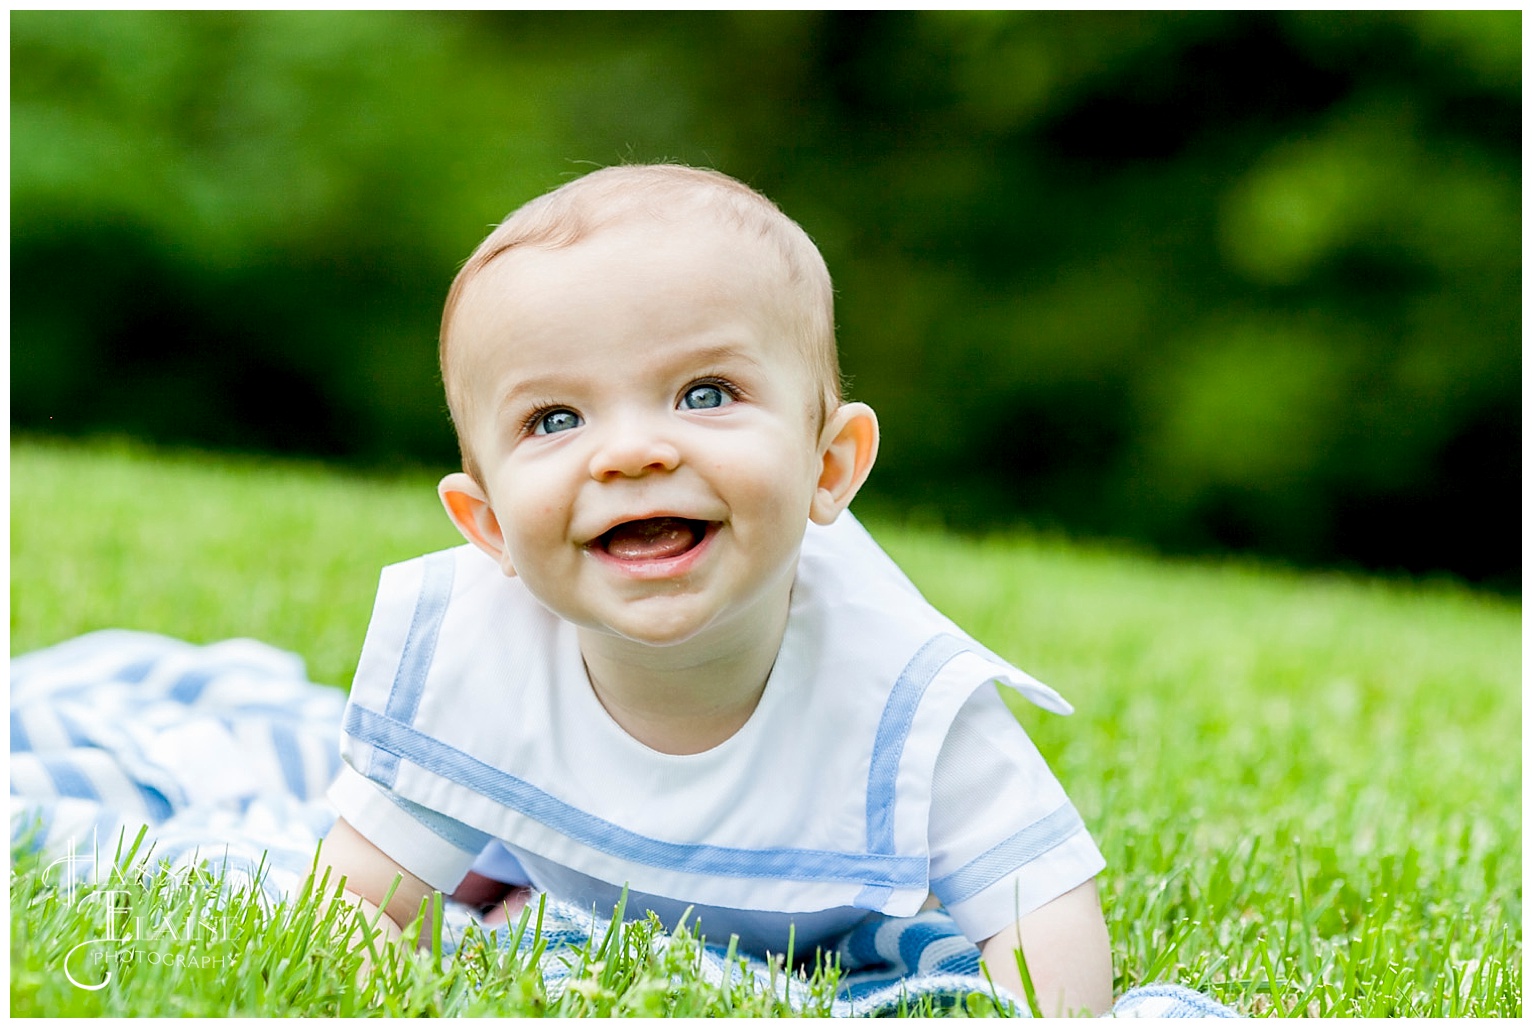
[(713, 380), (535, 416)]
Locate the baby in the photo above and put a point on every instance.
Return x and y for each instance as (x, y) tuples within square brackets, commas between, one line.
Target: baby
[(670, 660)]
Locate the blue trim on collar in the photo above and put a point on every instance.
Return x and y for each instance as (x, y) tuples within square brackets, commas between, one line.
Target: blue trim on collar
[(420, 643), (893, 728), (419, 650), (438, 758)]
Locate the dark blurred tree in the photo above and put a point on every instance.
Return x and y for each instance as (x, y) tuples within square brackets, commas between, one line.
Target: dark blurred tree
[(231, 228), (1209, 280)]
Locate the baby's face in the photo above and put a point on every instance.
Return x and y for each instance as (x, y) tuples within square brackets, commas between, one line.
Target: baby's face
[(645, 425)]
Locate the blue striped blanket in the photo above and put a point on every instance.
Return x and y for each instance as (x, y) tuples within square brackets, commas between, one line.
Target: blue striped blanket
[(222, 753)]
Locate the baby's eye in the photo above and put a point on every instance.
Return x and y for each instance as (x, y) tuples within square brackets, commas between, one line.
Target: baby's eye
[(701, 397), (560, 420)]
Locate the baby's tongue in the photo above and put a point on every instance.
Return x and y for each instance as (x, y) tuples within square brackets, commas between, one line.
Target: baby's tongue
[(651, 539)]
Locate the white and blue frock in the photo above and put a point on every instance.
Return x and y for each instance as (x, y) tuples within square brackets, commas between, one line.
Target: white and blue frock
[(879, 766)]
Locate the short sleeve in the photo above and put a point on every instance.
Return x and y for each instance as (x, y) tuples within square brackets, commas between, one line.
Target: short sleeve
[(429, 845), (434, 848), (1004, 837)]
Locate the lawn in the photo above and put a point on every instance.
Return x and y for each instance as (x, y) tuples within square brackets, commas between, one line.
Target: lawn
[(1307, 786)]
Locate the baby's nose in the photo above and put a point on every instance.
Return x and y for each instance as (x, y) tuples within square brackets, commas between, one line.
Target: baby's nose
[(628, 451)]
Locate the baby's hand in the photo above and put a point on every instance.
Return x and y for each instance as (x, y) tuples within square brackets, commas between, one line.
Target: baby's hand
[(370, 876), (1069, 956), (496, 901)]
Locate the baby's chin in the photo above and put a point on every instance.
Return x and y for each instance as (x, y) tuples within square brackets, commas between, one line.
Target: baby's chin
[(685, 624), (653, 627), (701, 611)]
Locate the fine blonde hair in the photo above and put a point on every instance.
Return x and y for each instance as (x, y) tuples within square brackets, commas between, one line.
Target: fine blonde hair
[(578, 209)]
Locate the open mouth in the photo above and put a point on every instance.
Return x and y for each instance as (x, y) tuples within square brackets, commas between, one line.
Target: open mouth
[(652, 538)]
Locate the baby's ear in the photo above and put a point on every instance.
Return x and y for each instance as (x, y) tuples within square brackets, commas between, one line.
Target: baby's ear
[(847, 447), (468, 506)]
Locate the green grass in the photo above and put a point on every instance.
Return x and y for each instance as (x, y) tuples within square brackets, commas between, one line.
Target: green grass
[(190, 946), (1307, 786)]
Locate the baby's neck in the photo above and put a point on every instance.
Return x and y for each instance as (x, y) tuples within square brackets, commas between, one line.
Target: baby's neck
[(686, 698)]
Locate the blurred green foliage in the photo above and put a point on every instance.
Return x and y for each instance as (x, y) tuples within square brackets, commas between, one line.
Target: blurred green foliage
[(1209, 280)]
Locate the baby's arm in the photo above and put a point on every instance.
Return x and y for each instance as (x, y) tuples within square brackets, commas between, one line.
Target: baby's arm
[(1013, 864), (369, 874), (1068, 954)]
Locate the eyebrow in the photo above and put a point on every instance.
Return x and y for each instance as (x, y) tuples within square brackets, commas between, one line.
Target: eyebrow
[(721, 353), (548, 386)]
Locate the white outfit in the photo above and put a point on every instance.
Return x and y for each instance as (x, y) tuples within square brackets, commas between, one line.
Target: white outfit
[(855, 786)]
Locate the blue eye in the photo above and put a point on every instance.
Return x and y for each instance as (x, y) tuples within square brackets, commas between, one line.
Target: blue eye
[(560, 420), (702, 397)]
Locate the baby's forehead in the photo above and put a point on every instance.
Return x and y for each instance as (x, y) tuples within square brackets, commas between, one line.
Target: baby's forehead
[(695, 252), (751, 251), (656, 271), (689, 227)]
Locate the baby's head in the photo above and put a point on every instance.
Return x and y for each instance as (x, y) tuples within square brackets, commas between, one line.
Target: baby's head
[(641, 369), (668, 195)]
